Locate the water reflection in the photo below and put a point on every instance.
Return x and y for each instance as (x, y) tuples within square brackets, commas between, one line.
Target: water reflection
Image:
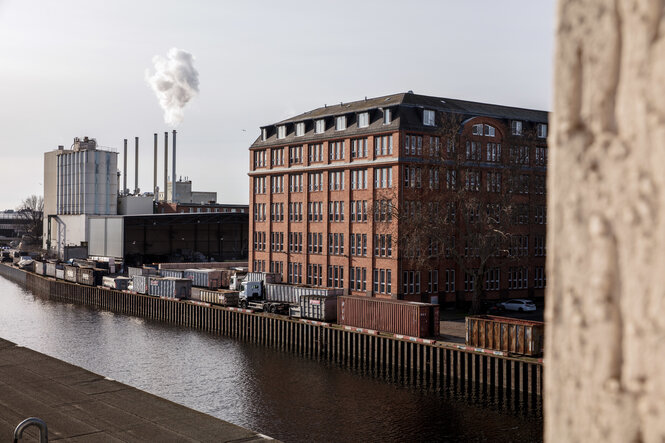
[(267, 390)]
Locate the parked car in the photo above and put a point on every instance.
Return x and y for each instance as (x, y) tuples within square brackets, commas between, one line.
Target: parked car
[(519, 304)]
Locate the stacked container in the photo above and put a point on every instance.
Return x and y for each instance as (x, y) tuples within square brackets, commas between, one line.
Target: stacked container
[(70, 273), (120, 283), (169, 287), (204, 278), (140, 283), (395, 316), (317, 307), (50, 268), (131, 271), (90, 276), (265, 277), (60, 274), (291, 294), (39, 267), (172, 273), (505, 334), (223, 298)]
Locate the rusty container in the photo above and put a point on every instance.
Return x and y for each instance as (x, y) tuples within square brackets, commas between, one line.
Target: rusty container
[(204, 278), (505, 334), (70, 273), (395, 316), (221, 297), (90, 276)]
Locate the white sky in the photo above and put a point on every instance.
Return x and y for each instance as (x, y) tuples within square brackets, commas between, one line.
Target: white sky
[(76, 68)]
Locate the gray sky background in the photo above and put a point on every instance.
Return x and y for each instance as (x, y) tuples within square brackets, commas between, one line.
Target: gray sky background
[(77, 68)]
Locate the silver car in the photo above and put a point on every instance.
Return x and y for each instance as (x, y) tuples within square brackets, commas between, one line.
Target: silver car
[(519, 304)]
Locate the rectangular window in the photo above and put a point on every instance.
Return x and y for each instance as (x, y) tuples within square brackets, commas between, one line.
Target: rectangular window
[(363, 119), (387, 117), (300, 129), (493, 152), (320, 126), (542, 130), (477, 129), (428, 117), (340, 123), (359, 148), (516, 127), (281, 131), (383, 145)]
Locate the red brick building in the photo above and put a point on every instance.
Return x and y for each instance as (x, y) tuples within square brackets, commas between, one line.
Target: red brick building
[(324, 186)]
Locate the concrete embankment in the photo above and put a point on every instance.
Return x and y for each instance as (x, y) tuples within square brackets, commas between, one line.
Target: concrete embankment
[(78, 405)]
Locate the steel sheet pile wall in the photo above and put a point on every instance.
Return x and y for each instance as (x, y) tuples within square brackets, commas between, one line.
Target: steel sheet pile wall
[(223, 298), (170, 287), (204, 278), (291, 294), (516, 379), (317, 307), (505, 334), (396, 316)]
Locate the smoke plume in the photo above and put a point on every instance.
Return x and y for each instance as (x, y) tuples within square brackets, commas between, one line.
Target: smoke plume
[(175, 83)]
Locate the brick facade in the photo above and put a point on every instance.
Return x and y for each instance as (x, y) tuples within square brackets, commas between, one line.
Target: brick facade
[(323, 204)]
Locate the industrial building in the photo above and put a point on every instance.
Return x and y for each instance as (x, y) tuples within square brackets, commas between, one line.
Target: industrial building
[(326, 188), (86, 215)]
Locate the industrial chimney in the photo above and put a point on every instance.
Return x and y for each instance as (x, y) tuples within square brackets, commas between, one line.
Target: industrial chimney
[(173, 176), (124, 171), (154, 186), (136, 165), (166, 166)]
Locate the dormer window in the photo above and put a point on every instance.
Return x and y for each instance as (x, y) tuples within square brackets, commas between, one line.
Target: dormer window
[(340, 123), (264, 134), (489, 131), (320, 126), (363, 119), (516, 127), (387, 117), (477, 129), (281, 131), (428, 117), (542, 130), (300, 129)]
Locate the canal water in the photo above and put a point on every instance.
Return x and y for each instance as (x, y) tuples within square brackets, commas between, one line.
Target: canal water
[(267, 390)]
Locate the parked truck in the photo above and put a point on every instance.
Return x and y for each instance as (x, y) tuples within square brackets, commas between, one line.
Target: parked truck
[(253, 296)]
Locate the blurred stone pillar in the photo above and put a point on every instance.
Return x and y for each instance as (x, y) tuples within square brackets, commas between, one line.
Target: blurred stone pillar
[(605, 345)]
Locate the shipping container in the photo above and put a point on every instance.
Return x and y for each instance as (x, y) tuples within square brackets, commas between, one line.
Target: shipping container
[(140, 284), (505, 334), (204, 278), (90, 276), (50, 268), (317, 307), (60, 274), (292, 293), (120, 283), (172, 273), (396, 316), (265, 277), (132, 271), (169, 287), (224, 297), (70, 273), (39, 267)]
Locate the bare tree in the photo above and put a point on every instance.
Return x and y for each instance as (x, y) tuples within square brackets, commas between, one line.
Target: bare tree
[(456, 207), (32, 211)]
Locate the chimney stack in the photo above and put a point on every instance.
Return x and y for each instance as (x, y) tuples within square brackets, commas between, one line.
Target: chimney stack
[(166, 166), (124, 171), (154, 186), (173, 176), (136, 165)]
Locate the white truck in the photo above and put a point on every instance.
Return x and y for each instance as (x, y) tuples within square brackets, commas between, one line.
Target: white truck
[(252, 295)]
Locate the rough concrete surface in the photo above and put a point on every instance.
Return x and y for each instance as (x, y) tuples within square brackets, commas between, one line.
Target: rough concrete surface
[(78, 405), (605, 371)]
